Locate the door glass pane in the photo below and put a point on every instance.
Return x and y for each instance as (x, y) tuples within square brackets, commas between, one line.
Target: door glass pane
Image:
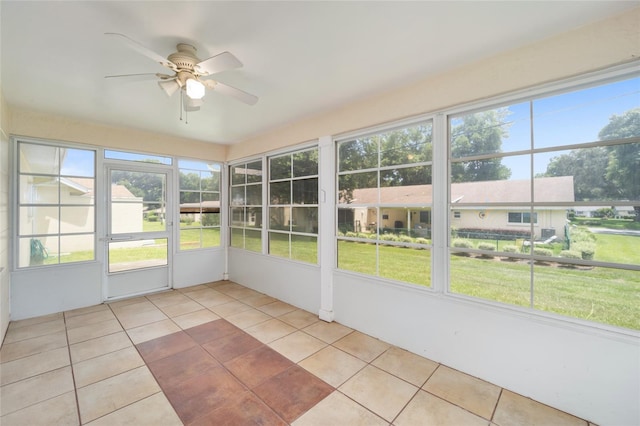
[(137, 202), (128, 255)]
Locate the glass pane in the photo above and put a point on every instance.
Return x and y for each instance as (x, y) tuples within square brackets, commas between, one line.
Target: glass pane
[(38, 220), (211, 196), (38, 251), (598, 174), (408, 176), (280, 192), (39, 159), (77, 219), (189, 198), (254, 217), (253, 240), (358, 154), (357, 257), (597, 113), (254, 172), (189, 180), (405, 264), (77, 248), (210, 181), (305, 191), (190, 239), (304, 248), (254, 195), (280, 218), (506, 281), (305, 163), (238, 175), (406, 146), (210, 219), (78, 162), (280, 167), (77, 191), (128, 255), (128, 217), (237, 216), (38, 190), (486, 170), (237, 237), (210, 237), (128, 184), (305, 219), (279, 244), (188, 220), (360, 188), (493, 131), (346, 220), (604, 295), (130, 156), (237, 196)]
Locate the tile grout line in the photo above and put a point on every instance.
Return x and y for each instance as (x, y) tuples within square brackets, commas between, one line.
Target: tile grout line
[(73, 375)]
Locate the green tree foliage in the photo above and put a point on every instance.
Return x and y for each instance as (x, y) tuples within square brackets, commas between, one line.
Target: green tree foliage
[(606, 173), (477, 134), (401, 154), (587, 166)]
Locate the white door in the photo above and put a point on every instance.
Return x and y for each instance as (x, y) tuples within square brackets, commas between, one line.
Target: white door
[(139, 230)]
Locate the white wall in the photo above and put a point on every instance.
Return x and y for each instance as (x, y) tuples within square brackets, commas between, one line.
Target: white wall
[(295, 283), (5, 282)]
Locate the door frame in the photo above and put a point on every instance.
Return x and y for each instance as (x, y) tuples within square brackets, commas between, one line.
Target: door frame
[(150, 272)]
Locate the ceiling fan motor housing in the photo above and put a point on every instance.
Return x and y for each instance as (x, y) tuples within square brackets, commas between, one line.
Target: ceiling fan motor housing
[(185, 58)]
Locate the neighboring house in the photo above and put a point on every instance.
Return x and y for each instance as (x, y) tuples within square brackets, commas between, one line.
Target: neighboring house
[(474, 206), (79, 216)]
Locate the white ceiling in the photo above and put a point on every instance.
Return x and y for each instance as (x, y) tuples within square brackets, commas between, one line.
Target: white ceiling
[(300, 58)]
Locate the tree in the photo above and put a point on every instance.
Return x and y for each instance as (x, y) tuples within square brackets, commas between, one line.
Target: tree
[(623, 170), (587, 166), (477, 134)]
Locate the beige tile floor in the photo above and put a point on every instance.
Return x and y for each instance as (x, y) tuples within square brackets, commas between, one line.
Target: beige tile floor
[(81, 367)]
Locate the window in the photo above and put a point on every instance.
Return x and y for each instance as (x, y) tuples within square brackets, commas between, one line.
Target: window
[(246, 206), (199, 204), (293, 205), (56, 204), (566, 168), (384, 204), (522, 217)]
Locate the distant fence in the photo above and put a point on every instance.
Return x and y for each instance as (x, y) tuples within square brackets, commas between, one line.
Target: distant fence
[(492, 234)]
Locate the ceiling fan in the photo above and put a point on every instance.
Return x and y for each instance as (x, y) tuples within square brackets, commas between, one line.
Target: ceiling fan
[(189, 73)]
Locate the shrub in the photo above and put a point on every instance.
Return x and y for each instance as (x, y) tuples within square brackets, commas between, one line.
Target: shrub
[(510, 249), (587, 249), (152, 217), (571, 254), (461, 243), (422, 241), (486, 246), (405, 239), (389, 237), (351, 234), (538, 251)]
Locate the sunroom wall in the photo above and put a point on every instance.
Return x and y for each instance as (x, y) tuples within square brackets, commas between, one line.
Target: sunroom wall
[(591, 373)]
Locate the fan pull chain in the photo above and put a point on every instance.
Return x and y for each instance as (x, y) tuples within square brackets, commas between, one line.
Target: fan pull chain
[(181, 101)]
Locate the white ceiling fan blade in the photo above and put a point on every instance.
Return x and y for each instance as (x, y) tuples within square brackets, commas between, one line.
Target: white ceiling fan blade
[(222, 62), (170, 86), (142, 76), (132, 44), (225, 89)]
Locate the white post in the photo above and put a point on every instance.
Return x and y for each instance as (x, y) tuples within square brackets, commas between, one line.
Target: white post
[(326, 232)]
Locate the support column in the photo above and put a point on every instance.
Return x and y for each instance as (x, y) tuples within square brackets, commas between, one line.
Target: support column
[(327, 214)]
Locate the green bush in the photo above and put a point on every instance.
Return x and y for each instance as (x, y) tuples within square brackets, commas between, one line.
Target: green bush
[(351, 234), (586, 248), (389, 237), (571, 254), (510, 249), (487, 246), (152, 217), (461, 243), (405, 239), (539, 251), (422, 241)]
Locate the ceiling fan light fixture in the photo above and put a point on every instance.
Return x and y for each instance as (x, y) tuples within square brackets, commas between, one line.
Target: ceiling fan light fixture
[(169, 86), (195, 89)]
